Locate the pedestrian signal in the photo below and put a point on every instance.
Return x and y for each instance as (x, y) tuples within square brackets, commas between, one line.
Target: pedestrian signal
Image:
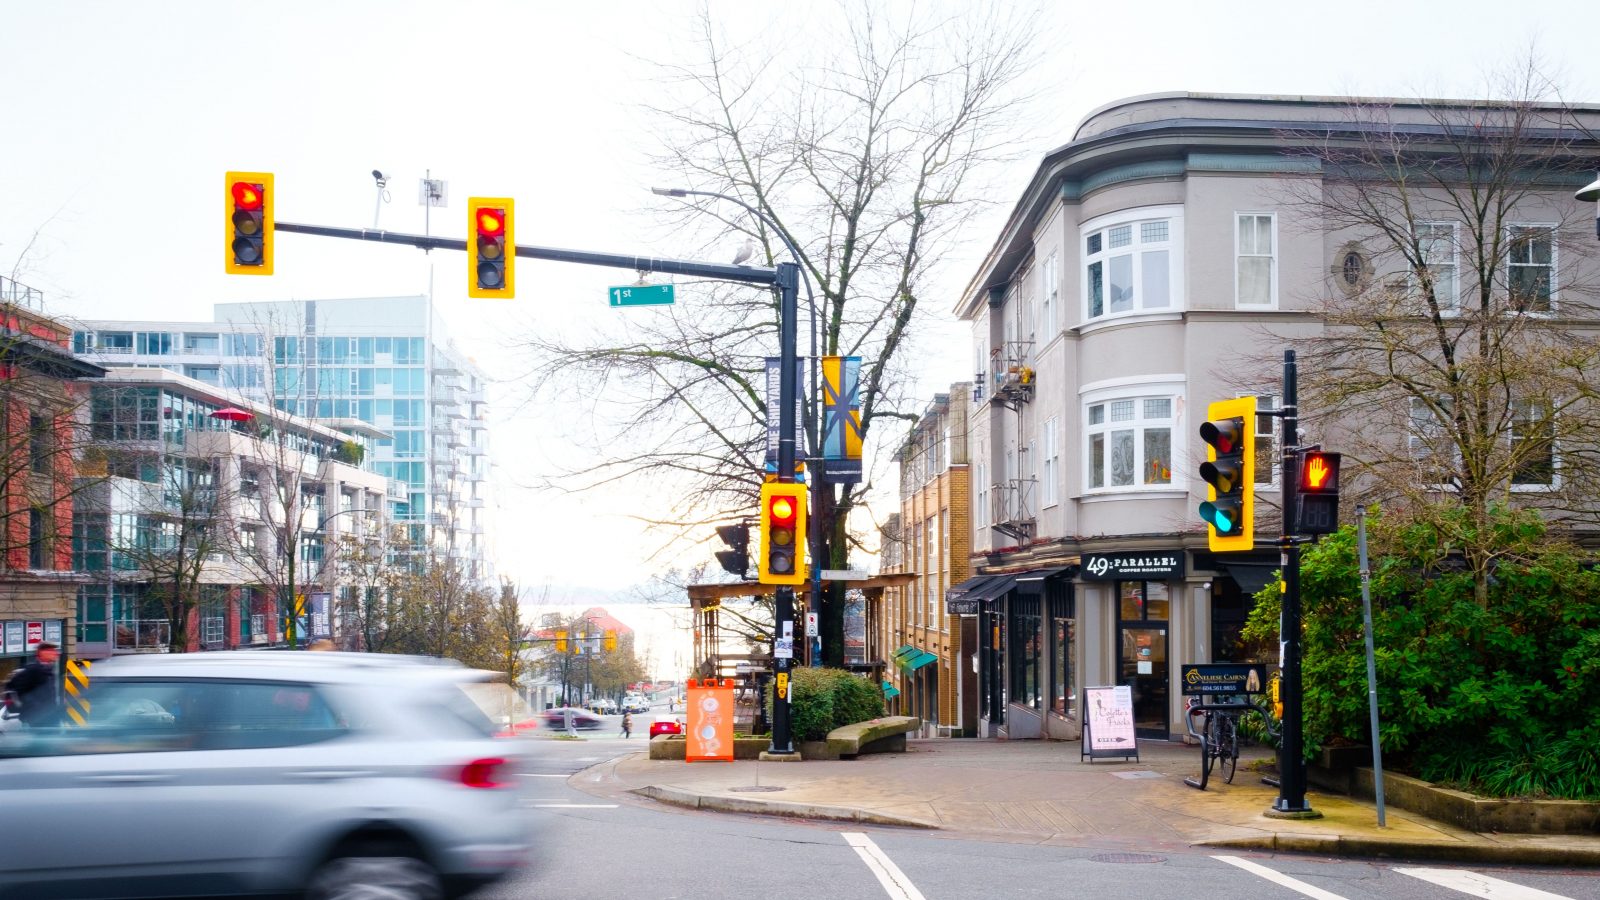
[(1316, 492)]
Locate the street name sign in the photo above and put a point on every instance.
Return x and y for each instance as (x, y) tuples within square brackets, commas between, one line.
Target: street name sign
[(641, 295), (845, 575)]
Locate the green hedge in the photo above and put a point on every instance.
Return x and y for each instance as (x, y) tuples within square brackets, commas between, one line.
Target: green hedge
[(1498, 698), (824, 699)]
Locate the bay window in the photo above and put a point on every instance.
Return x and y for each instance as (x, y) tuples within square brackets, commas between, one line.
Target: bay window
[(1131, 261), (1129, 442)]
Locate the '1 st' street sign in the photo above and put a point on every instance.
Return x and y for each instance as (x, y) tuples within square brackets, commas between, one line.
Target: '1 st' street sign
[(641, 295)]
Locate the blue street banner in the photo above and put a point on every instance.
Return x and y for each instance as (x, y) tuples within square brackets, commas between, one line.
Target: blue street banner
[(841, 419), (772, 392)]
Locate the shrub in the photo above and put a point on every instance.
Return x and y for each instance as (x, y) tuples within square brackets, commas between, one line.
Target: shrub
[(1495, 697), (821, 700)]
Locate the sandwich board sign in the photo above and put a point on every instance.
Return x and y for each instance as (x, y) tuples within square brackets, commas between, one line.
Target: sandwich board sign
[(1108, 723)]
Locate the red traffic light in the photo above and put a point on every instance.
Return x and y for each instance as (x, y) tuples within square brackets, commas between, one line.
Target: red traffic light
[(1319, 473), (491, 222), (246, 195), (783, 510)]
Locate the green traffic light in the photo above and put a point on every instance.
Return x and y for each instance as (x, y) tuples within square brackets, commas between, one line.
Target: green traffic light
[(1217, 517)]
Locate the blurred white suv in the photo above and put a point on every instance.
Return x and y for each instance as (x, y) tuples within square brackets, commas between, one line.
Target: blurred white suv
[(329, 774)]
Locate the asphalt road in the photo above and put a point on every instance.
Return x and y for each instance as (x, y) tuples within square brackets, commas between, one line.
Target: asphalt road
[(605, 847)]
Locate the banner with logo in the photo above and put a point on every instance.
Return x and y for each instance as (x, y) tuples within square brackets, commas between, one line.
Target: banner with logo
[(710, 721), (773, 391), (841, 419)]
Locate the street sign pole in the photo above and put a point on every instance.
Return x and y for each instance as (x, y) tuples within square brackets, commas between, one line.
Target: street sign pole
[(783, 618), (1291, 801)]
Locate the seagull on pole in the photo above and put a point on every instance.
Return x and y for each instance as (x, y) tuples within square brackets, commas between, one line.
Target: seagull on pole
[(745, 252)]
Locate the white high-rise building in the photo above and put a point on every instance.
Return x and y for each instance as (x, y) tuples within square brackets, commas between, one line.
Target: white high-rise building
[(384, 361)]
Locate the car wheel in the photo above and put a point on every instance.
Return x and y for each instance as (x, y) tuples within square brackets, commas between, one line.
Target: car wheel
[(375, 878)]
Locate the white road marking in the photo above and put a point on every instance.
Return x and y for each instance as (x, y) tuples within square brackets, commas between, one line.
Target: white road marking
[(1293, 884), (1479, 885), (574, 806), (895, 883)]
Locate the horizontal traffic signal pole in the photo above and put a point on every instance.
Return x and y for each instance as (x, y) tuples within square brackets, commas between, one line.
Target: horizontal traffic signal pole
[(747, 274)]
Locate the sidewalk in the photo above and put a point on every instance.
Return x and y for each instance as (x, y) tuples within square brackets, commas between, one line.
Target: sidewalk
[(1040, 792)]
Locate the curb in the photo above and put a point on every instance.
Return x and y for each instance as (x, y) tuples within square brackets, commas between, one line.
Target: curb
[(691, 800), (1347, 845)]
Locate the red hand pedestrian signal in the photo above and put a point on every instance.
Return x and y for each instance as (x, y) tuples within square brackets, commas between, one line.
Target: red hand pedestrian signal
[(1316, 473)]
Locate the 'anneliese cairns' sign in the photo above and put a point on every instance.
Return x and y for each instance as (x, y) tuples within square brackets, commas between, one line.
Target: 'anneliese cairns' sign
[(1223, 678)]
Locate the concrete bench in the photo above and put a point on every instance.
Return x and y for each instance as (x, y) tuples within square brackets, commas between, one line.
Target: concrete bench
[(885, 735)]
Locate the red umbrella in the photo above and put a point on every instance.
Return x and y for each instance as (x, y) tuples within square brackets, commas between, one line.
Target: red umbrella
[(233, 414)]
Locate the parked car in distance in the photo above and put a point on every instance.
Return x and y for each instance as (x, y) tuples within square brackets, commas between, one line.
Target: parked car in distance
[(246, 773), (666, 725), (581, 718), (603, 706), (636, 703)]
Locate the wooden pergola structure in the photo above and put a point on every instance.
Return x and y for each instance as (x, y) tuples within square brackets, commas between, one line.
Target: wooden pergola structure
[(705, 600)]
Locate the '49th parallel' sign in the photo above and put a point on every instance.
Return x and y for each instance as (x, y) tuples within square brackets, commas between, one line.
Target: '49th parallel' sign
[(1136, 565)]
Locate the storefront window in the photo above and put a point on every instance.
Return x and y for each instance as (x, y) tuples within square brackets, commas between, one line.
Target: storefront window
[(1026, 652), (1065, 702)]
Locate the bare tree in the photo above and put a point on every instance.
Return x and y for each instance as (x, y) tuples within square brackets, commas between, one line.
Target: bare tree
[(1460, 341), (867, 157), (366, 611)]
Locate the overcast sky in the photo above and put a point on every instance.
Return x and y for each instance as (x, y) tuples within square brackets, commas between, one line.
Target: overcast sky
[(118, 119)]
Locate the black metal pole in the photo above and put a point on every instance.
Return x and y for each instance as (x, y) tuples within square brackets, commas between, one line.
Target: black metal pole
[(1291, 757), (783, 617)]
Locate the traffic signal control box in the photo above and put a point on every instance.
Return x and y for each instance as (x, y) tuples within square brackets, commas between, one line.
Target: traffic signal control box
[(1229, 472), (783, 534)]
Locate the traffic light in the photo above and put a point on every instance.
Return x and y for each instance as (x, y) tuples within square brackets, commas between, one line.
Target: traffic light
[(491, 248), (561, 642), (610, 640), (783, 528), (736, 559), (1229, 469), (248, 206), (1316, 492)]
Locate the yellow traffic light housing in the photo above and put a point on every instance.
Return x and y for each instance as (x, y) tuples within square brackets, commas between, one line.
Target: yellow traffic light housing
[(247, 206), (783, 534), (491, 248), (1229, 470), (610, 642)]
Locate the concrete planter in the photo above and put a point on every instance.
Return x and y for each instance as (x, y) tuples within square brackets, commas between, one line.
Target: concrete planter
[(1459, 808), (675, 746)]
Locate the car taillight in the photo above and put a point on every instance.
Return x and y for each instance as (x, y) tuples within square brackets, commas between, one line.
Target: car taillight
[(489, 772)]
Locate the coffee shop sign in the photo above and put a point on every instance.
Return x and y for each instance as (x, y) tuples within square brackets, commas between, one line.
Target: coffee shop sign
[(1113, 566)]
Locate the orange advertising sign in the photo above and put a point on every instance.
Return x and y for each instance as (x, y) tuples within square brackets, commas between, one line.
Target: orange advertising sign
[(710, 732)]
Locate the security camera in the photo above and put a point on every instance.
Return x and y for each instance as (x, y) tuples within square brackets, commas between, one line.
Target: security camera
[(379, 177)]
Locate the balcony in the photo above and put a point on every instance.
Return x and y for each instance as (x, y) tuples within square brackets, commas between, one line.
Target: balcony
[(1011, 375), (1011, 513), (142, 636)]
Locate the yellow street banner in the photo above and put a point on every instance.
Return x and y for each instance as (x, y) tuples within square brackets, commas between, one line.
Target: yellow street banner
[(841, 419), (77, 682)]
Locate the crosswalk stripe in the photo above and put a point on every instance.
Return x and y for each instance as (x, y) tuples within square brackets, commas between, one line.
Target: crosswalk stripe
[(895, 883), (1479, 885), (1276, 877)]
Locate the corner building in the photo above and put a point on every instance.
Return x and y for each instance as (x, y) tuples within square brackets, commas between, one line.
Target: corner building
[(1147, 258)]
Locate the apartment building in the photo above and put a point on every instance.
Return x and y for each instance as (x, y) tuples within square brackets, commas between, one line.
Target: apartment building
[(40, 398), (387, 362), (1145, 260), (191, 489), (930, 671)]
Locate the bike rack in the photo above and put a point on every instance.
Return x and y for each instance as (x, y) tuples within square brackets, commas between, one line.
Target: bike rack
[(1238, 707)]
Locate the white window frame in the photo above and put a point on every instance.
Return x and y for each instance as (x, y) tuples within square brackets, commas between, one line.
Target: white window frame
[(1555, 458), (1137, 391), (1448, 305), (980, 509), (1272, 258), (1050, 291), (1051, 493), (1274, 432), (1134, 218), (1555, 264)]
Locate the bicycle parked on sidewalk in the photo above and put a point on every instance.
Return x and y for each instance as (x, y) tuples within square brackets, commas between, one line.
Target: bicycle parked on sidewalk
[(1219, 733)]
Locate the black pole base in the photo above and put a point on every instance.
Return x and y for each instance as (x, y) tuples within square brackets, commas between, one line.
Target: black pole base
[(1280, 810)]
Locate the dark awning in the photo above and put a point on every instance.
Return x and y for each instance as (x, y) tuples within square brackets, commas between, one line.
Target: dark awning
[(971, 583), (998, 587), (1038, 575), (1251, 577)]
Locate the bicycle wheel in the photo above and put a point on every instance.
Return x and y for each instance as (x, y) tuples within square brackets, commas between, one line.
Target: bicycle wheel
[(1207, 745), (1227, 747)]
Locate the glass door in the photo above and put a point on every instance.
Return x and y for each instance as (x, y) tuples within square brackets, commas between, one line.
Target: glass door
[(1142, 655)]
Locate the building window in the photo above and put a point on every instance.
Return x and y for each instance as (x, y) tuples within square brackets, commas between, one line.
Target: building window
[(1128, 266), (39, 539), (1050, 275), (247, 540), (1064, 701), (1026, 652), (1532, 446), (39, 443), (1256, 249), (115, 342), (1129, 442), (153, 343), (1436, 248), (980, 510), (1052, 463), (1530, 271), (1430, 443)]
